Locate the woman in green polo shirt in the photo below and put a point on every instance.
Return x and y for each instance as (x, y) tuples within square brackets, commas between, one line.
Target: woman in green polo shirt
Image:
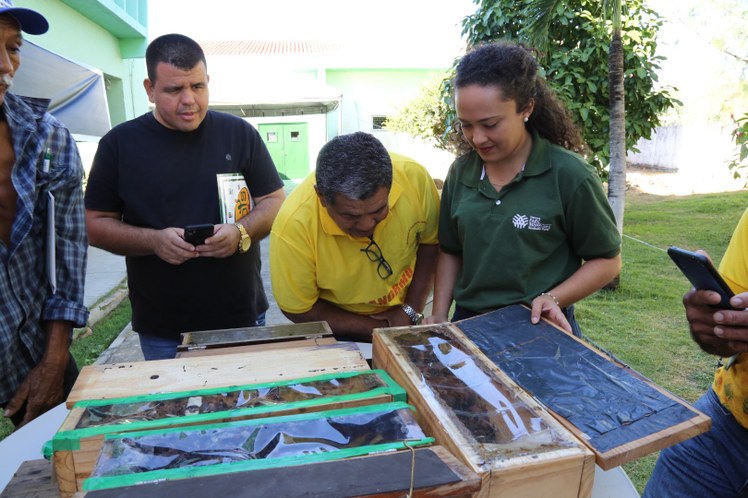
[(523, 219)]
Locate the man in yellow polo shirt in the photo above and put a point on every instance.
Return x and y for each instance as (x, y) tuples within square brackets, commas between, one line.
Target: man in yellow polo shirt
[(355, 244), (715, 464)]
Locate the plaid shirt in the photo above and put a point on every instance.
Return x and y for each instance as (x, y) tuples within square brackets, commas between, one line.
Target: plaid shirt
[(25, 293)]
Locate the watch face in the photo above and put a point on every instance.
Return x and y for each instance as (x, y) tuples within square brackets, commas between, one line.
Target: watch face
[(245, 242)]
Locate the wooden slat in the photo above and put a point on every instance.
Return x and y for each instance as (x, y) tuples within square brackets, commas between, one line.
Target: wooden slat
[(289, 344), (119, 380), (33, 479), (254, 335)]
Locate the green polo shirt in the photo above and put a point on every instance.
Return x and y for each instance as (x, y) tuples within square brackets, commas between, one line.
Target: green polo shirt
[(531, 235)]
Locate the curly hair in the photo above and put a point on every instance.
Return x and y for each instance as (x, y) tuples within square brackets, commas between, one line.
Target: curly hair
[(514, 70)]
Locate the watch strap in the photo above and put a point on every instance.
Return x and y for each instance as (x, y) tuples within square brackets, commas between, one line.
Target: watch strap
[(415, 317), (243, 236)]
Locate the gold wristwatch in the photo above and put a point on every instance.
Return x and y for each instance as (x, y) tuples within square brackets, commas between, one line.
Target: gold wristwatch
[(245, 241)]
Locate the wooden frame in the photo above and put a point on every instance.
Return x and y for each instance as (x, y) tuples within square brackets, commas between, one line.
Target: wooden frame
[(120, 380), (238, 446), (78, 442), (507, 337), (437, 473), (560, 467), (245, 336)]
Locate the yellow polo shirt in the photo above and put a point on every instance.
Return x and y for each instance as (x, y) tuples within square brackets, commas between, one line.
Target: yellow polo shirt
[(731, 385), (311, 258)]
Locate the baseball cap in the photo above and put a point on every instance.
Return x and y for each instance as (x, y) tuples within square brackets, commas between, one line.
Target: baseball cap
[(31, 21)]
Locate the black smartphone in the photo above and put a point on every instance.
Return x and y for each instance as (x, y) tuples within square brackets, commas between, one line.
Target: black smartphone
[(196, 234), (701, 273)]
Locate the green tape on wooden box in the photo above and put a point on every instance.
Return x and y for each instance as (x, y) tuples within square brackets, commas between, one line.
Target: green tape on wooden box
[(77, 443), (179, 453)]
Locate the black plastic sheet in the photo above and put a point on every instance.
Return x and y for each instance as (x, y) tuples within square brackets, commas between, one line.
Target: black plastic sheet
[(610, 404)]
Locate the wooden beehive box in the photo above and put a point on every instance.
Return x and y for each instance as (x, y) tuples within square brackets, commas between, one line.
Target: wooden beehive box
[(121, 380), (247, 339), (77, 444), (433, 471), (470, 407), (238, 446), (618, 413)]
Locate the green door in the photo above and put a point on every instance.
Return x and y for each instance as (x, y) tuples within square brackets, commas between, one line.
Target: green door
[(288, 144)]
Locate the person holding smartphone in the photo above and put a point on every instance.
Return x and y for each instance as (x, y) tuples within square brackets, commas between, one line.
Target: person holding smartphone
[(156, 174), (715, 464)]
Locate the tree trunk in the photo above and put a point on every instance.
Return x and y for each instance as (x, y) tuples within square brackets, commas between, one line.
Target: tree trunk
[(617, 170)]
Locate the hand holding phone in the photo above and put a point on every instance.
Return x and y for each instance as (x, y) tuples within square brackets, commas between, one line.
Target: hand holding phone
[(702, 274), (196, 234)]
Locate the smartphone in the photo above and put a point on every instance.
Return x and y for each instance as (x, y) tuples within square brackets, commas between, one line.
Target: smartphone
[(701, 273), (196, 234)]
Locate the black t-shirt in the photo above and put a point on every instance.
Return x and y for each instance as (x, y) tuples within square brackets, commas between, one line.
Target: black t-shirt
[(158, 178)]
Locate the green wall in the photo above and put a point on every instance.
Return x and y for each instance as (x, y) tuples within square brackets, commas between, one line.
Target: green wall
[(82, 41), (370, 92)]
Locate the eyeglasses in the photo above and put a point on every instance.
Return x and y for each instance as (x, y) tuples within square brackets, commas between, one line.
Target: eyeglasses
[(374, 253)]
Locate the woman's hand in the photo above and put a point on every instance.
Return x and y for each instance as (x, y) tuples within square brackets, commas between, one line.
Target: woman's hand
[(547, 306)]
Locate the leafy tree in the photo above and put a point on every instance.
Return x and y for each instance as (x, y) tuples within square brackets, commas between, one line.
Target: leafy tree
[(740, 136), (576, 67), (423, 117), (538, 30)]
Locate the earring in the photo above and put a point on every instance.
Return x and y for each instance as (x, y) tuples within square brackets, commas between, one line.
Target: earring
[(526, 118)]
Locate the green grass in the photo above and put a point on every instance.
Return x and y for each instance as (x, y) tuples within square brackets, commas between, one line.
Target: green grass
[(642, 322), (89, 345)]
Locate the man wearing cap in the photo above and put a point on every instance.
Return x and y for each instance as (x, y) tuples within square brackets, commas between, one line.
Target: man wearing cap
[(41, 288), (154, 175)]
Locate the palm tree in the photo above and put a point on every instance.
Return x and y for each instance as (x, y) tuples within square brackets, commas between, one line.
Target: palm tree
[(542, 13)]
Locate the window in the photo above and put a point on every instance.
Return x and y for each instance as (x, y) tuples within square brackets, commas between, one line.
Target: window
[(377, 122)]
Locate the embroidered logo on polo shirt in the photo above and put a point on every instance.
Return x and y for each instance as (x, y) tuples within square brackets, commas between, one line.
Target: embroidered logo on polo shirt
[(519, 221), (530, 222)]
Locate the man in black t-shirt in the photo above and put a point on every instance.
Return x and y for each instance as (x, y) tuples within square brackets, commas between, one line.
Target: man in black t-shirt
[(156, 174)]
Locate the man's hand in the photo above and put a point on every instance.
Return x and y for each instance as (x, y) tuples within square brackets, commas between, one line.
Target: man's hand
[(434, 319), (223, 243), (395, 317), (717, 331), (40, 391), (169, 245)]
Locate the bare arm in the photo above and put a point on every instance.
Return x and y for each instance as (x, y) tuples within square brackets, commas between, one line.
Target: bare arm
[(447, 267), (42, 389), (344, 324), (590, 277), (107, 231), (260, 220)]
